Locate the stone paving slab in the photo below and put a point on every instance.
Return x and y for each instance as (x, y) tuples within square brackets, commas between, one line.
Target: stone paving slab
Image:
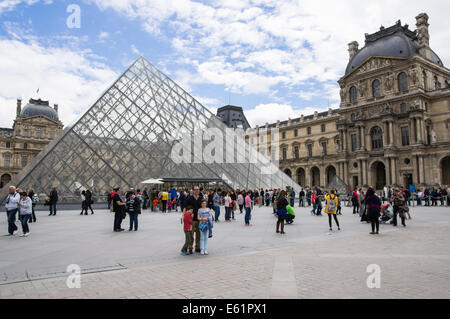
[(413, 260)]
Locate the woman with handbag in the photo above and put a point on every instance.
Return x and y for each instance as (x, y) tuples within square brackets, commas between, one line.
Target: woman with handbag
[(373, 208), (204, 217)]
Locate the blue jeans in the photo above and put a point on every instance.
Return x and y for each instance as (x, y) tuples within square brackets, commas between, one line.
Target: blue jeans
[(314, 209), (247, 215), (12, 220), (133, 220), (53, 208), (227, 213), (24, 220), (217, 213), (204, 240)]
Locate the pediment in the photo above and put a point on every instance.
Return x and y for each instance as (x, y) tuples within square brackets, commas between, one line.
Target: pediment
[(375, 63)]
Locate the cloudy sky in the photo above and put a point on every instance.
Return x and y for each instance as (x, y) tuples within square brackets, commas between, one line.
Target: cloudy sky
[(277, 59)]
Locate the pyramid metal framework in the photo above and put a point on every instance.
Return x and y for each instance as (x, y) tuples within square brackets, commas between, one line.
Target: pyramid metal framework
[(128, 135)]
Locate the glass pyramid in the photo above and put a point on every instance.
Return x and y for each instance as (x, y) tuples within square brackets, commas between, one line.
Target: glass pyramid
[(128, 135)]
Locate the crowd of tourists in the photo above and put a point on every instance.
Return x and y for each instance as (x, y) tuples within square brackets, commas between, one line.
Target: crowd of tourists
[(201, 208)]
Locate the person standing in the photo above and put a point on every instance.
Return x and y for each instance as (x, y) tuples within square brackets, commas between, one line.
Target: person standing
[(203, 215), (331, 204), (301, 201), (398, 203), (89, 201), (164, 199), (216, 203), (34, 200), (134, 209), (187, 228), (240, 201), (53, 200), (83, 203), (355, 202), (292, 198), (228, 203), (233, 203), (25, 211), (195, 202), (313, 201), (373, 208), (281, 204), (118, 207), (11, 210), (248, 209)]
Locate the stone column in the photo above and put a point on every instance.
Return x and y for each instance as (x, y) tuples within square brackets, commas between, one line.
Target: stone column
[(391, 133), (412, 131), (364, 170), (345, 140), (386, 133), (394, 170), (421, 169), (363, 138), (415, 163), (419, 130), (345, 177), (388, 171)]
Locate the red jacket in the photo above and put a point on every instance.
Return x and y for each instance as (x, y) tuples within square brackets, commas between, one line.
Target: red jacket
[(187, 221)]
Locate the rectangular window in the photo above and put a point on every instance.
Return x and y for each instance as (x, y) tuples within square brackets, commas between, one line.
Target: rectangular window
[(310, 150), (308, 130), (7, 160), (324, 148), (284, 153), (283, 135), (8, 145), (354, 142), (405, 136), (296, 132), (39, 133), (296, 153), (323, 128), (24, 161), (26, 132)]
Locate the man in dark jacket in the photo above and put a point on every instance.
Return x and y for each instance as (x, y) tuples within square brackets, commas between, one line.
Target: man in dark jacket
[(53, 200)]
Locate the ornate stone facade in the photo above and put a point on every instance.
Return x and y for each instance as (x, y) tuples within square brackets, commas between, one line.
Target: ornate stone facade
[(392, 126), (35, 126)]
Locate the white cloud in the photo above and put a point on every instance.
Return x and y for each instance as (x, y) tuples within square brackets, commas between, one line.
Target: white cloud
[(135, 50), (103, 35), (8, 5), (268, 43), (66, 77), (270, 113)]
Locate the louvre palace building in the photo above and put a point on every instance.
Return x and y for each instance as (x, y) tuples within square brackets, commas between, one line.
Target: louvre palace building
[(35, 126), (392, 126)]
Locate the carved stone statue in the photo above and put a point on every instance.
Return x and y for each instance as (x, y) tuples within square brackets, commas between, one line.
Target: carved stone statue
[(343, 92), (362, 88), (414, 76), (433, 136), (389, 82)]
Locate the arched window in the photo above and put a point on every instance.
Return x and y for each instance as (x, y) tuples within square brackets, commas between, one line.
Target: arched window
[(403, 108), (376, 134), (376, 88), (402, 82), (353, 94)]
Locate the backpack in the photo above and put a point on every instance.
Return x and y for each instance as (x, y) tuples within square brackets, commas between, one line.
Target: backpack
[(332, 204), (35, 199)]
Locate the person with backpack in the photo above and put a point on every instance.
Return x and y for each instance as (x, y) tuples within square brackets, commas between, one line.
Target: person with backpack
[(301, 202), (355, 202), (331, 208), (373, 208)]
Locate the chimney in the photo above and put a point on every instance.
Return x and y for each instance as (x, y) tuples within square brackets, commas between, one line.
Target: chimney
[(55, 106), (423, 36), (19, 107), (353, 49)]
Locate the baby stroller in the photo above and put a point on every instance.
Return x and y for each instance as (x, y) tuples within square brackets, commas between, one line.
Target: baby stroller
[(386, 214)]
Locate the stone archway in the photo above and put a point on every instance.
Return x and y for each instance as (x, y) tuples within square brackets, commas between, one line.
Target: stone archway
[(288, 172), (4, 180), (330, 172), (445, 170), (301, 177), (378, 170), (315, 177)]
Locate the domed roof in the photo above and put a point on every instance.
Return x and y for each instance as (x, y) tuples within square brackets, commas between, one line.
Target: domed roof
[(39, 108), (396, 41)]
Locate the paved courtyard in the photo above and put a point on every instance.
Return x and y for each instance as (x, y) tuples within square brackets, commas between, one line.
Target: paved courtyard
[(307, 262)]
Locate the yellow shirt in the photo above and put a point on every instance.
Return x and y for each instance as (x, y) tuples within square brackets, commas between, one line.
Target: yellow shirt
[(328, 198), (165, 196)]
